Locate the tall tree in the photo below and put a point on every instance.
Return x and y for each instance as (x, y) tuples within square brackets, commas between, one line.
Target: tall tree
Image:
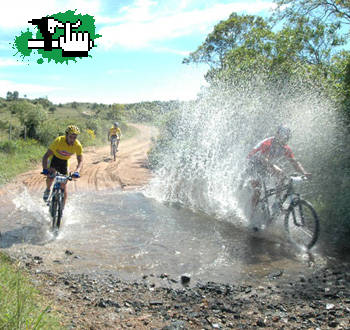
[(328, 10), (227, 35)]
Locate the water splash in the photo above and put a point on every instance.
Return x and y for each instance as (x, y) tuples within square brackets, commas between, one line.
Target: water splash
[(201, 164)]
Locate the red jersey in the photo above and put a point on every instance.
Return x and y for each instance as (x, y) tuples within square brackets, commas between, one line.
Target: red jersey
[(271, 150)]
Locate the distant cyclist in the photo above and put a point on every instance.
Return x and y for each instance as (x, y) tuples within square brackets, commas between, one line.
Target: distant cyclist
[(262, 161), (114, 133), (57, 156)]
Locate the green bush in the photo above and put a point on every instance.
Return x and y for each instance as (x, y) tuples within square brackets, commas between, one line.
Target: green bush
[(86, 139), (9, 147), (48, 131)]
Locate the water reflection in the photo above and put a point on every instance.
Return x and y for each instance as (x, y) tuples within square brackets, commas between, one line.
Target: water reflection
[(127, 233)]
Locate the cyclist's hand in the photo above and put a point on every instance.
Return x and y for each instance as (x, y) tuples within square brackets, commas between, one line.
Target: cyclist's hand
[(277, 171), (76, 175), (307, 175), (45, 171)]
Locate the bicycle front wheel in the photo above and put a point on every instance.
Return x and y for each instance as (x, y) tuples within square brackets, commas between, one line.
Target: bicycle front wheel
[(53, 210), (59, 209), (302, 224), (114, 151)]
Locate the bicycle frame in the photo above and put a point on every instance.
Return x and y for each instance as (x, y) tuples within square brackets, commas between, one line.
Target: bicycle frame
[(114, 143), (289, 193), (300, 218), (56, 186)]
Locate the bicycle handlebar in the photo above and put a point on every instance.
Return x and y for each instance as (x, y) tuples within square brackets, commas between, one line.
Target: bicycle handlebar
[(68, 177), (298, 176)]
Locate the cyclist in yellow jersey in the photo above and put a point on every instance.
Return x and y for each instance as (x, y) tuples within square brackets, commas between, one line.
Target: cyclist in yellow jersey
[(57, 156), (114, 133)]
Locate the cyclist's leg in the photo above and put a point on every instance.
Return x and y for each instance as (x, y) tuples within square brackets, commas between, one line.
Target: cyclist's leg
[(112, 142), (253, 170), (255, 196), (118, 140), (52, 171), (62, 167), (50, 178), (279, 183), (65, 191)]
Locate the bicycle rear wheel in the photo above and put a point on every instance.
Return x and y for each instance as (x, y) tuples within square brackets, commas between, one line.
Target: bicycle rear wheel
[(302, 224)]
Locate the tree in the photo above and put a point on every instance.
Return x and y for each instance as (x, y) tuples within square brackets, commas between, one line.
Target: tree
[(248, 45), (32, 119), (43, 101), (12, 96), (29, 115), (15, 95), (52, 109), (227, 35), (326, 10), (116, 112)]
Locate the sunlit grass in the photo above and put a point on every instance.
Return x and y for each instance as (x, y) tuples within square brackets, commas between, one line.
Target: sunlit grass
[(18, 156), (21, 307)]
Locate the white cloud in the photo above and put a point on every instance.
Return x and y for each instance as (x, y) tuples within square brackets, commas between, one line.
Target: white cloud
[(140, 25), (9, 62), (185, 85), (171, 51), (141, 10), (31, 90), (16, 13)]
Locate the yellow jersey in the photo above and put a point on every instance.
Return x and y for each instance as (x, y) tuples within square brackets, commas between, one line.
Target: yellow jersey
[(62, 150), (115, 131)]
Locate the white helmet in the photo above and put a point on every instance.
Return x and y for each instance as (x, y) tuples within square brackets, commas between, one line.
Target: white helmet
[(116, 124)]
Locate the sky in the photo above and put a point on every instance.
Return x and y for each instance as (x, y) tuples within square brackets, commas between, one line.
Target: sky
[(138, 58)]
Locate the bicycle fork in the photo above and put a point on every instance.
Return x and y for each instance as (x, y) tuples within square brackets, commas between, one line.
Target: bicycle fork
[(295, 207)]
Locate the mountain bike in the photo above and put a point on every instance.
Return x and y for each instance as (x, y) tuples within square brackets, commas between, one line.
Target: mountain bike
[(55, 202), (114, 147), (300, 218)]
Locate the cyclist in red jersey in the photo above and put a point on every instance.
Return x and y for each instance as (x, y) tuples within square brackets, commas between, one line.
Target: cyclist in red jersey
[(262, 159)]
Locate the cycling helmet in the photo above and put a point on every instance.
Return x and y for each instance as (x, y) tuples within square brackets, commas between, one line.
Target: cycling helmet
[(72, 129), (284, 132), (116, 124)]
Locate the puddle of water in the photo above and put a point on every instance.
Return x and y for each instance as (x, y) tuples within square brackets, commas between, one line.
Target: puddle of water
[(131, 235)]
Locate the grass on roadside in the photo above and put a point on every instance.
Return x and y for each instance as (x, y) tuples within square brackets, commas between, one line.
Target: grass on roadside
[(17, 156), (129, 132), (21, 307)]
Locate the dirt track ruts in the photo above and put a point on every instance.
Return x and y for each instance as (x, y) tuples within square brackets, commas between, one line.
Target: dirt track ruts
[(99, 171)]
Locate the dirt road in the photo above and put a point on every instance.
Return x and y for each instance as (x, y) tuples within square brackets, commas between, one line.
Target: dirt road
[(87, 301), (99, 171)]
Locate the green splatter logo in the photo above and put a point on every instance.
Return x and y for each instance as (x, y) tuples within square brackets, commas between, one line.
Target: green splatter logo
[(61, 38)]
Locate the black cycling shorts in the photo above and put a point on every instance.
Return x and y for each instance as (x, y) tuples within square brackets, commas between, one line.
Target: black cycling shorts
[(60, 165)]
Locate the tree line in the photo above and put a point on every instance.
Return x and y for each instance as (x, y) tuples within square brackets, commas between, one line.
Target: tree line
[(302, 46)]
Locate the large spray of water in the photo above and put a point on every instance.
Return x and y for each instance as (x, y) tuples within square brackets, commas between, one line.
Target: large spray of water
[(200, 165)]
